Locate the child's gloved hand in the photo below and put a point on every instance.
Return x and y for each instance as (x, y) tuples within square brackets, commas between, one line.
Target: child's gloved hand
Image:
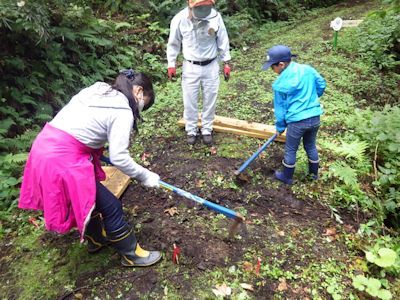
[(151, 180)]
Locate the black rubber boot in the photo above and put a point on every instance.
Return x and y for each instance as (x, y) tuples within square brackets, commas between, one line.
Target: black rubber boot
[(132, 255), (207, 139), (286, 176), (95, 233), (191, 139), (313, 170)]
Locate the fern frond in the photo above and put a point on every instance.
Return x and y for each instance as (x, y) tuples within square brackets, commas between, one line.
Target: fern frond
[(19, 143), (5, 125), (18, 158), (343, 172), (120, 25), (355, 149)]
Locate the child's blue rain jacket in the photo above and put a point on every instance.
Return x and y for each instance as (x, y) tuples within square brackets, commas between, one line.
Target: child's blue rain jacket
[(296, 93)]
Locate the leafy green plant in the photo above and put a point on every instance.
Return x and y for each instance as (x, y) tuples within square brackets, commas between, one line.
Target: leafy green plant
[(380, 129), (384, 257), (354, 161), (372, 286), (378, 38), (10, 168), (385, 254), (344, 172)]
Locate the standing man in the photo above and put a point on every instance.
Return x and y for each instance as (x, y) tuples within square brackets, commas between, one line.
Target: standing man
[(200, 31)]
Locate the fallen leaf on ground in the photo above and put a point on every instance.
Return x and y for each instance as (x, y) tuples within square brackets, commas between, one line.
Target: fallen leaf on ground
[(222, 290), (247, 266), (244, 177), (134, 210), (219, 179), (33, 221), (247, 286), (145, 156), (330, 231), (330, 239), (165, 291), (258, 266), (349, 228), (199, 183), (172, 211), (330, 234), (282, 285), (78, 296), (295, 232)]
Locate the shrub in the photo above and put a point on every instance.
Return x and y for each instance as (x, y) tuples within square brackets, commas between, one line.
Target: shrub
[(380, 129), (378, 39)]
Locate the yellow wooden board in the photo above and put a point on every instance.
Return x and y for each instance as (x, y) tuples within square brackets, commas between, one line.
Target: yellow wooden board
[(116, 181), (240, 127)]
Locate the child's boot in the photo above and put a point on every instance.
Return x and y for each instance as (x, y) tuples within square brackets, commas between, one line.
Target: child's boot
[(286, 176), (313, 169)]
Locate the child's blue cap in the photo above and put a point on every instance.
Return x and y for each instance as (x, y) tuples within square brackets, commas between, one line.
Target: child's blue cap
[(277, 54)]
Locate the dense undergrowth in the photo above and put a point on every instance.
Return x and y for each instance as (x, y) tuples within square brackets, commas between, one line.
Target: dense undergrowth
[(51, 49)]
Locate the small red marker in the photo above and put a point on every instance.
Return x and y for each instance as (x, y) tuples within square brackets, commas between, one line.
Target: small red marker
[(175, 254), (33, 221), (257, 270)]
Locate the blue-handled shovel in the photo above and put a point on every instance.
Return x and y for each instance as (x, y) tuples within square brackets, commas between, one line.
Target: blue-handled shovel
[(238, 218), (255, 155)]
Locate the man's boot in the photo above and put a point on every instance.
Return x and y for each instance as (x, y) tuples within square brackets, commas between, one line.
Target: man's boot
[(191, 139), (313, 169), (95, 233), (207, 139), (132, 255), (286, 176)]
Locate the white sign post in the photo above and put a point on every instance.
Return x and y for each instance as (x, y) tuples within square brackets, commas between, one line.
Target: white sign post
[(338, 23)]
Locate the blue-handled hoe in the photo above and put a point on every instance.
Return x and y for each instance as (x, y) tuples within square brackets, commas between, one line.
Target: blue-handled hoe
[(237, 217), (255, 155)]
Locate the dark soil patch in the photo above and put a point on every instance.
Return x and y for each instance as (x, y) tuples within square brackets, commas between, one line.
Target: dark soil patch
[(204, 249)]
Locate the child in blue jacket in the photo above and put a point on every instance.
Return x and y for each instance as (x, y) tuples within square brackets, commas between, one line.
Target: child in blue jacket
[(297, 108)]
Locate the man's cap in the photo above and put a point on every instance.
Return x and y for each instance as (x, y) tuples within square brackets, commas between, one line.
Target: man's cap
[(194, 3), (277, 54)]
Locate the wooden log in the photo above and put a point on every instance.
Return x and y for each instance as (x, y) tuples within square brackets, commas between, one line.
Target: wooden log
[(116, 181), (240, 127)]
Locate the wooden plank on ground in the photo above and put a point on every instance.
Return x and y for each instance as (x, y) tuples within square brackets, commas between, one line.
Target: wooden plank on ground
[(262, 129), (116, 181), (240, 127)]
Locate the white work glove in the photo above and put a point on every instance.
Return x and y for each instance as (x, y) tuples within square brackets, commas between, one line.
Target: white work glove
[(150, 179)]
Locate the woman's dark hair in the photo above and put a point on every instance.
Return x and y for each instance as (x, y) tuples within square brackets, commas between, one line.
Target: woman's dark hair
[(124, 83)]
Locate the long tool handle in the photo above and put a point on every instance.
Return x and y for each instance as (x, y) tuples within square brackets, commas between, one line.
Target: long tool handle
[(211, 205), (255, 155)]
